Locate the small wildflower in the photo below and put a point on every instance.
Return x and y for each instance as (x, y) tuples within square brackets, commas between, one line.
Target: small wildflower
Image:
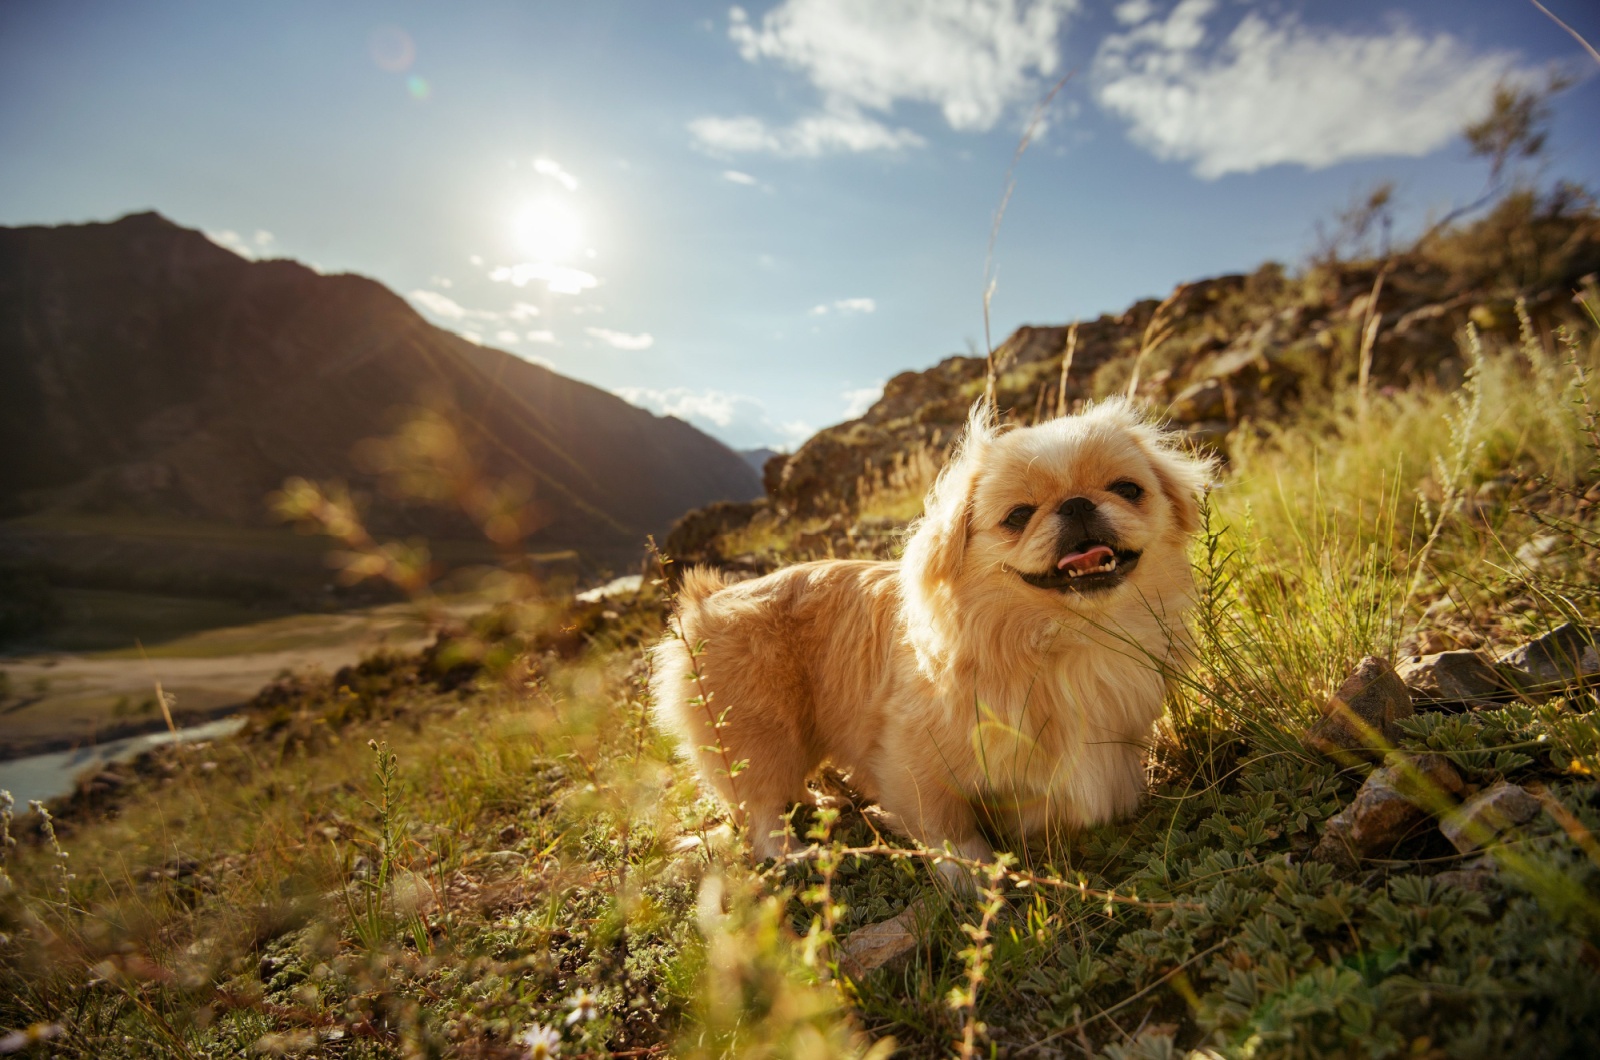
[(584, 1007), (542, 1042), (16, 1041)]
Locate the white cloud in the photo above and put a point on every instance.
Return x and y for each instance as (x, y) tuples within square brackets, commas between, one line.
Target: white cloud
[(1133, 12), (972, 59), (846, 307), (507, 335), (522, 312), (737, 419), (546, 337), (1284, 92), (857, 402), (246, 248), (448, 308), (843, 129), (558, 279), (549, 168), (441, 281), (621, 339), (733, 176), (439, 305)]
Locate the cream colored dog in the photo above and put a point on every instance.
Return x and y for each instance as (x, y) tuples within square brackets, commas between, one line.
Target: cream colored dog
[(1007, 671)]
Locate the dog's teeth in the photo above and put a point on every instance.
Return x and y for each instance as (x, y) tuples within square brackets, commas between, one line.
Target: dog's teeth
[(1104, 568)]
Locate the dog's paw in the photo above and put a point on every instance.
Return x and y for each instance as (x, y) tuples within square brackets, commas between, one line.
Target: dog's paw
[(957, 878)]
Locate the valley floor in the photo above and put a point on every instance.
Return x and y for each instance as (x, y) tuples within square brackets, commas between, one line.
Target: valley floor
[(96, 677)]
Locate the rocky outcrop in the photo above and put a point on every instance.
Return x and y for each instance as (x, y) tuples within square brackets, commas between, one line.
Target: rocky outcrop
[(1232, 350), (697, 538)]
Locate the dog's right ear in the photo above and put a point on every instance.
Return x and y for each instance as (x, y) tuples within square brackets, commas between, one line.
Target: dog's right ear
[(939, 539)]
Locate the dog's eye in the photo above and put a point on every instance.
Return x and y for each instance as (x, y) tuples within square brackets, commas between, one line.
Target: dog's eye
[(1127, 490), (1017, 518)]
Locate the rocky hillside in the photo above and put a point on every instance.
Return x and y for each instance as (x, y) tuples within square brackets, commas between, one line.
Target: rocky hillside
[(1218, 357), (146, 373)]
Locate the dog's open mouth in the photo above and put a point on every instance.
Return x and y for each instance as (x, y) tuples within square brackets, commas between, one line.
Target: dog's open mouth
[(1087, 567)]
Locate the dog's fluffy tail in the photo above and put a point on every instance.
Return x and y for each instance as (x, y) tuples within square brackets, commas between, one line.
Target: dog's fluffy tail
[(676, 678), (698, 584)]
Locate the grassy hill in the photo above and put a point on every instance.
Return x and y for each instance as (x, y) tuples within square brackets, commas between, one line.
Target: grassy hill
[(438, 854)]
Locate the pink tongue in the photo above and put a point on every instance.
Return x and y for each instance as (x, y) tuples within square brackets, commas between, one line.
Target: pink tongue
[(1088, 559)]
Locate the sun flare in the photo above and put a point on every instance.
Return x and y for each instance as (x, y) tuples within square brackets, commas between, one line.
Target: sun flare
[(548, 229)]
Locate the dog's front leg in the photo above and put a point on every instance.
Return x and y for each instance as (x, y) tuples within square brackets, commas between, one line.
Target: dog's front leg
[(938, 815)]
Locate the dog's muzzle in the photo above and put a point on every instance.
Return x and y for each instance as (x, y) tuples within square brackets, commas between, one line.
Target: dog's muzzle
[(1087, 567), (1089, 560)]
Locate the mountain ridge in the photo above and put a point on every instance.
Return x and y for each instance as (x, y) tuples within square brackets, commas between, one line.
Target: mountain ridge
[(145, 370)]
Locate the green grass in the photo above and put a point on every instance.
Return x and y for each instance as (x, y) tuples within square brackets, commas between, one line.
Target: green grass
[(441, 851)]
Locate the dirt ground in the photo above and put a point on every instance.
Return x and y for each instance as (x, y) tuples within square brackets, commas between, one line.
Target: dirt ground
[(55, 699)]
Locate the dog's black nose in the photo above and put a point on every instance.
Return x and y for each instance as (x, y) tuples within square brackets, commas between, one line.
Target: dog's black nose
[(1076, 508)]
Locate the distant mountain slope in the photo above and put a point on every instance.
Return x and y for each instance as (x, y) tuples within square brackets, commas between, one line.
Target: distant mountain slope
[(145, 371)]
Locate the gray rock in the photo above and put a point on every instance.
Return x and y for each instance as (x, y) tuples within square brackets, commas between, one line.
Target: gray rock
[(1360, 717), (1566, 653), (1488, 815), (880, 945), (1392, 802), (1451, 677)]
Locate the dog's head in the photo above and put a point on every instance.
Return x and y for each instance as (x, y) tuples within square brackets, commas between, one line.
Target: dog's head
[(1080, 513)]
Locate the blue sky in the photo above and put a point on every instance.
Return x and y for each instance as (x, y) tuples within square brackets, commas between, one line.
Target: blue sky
[(753, 216)]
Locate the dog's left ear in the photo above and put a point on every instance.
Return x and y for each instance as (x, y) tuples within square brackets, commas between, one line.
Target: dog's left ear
[(1183, 477), (939, 539)]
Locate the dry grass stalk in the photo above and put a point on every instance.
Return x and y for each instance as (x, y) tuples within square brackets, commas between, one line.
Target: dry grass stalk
[(895, 491), (1066, 366), (1156, 332), (1372, 321), (1595, 55)]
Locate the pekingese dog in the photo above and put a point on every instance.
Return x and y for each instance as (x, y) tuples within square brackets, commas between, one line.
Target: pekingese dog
[(1002, 678)]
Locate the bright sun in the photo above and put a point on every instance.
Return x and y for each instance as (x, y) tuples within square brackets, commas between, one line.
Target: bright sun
[(548, 230)]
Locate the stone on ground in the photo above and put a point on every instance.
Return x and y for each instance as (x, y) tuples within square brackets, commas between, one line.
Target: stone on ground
[(879, 945), (1488, 815), (1566, 653), (1361, 715), (1392, 802), (1451, 677)]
